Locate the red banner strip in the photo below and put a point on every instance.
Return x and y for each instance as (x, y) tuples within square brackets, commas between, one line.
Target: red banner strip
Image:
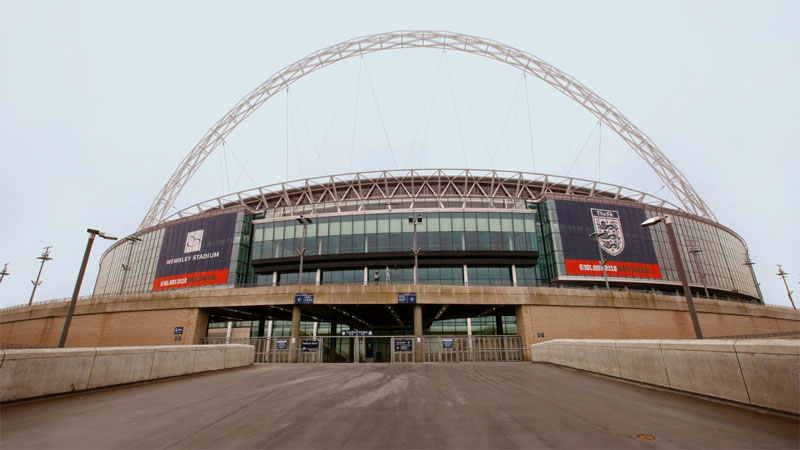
[(619, 269), (191, 279)]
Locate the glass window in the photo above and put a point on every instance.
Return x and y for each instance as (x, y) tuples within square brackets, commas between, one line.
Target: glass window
[(334, 227), (370, 223), (347, 226), (383, 224)]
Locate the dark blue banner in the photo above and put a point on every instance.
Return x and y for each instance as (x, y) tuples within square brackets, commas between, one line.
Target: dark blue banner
[(626, 246), (196, 253)]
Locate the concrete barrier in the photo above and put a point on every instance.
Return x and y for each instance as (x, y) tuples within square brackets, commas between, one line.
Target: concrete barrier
[(760, 372), (33, 373)]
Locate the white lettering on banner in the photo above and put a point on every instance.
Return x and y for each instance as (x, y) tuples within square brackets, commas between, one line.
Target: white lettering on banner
[(597, 268), (184, 259)]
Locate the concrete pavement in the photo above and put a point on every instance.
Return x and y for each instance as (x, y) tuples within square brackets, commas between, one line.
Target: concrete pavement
[(493, 405)]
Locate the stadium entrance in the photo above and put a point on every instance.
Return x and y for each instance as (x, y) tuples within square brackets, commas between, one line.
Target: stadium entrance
[(370, 333)]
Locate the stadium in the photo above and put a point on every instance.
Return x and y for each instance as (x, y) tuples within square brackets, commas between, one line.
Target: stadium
[(402, 265)]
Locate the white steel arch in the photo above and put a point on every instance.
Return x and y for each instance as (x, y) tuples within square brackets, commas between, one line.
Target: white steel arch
[(675, 181)]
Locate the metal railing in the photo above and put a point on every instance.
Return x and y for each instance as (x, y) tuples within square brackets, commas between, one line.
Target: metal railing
[(472, 348), (391, 349)]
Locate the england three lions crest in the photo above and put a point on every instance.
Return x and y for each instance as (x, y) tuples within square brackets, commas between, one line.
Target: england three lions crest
[(609, 230)]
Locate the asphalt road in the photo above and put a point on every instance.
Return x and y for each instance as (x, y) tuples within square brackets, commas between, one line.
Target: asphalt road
[(500, 405)]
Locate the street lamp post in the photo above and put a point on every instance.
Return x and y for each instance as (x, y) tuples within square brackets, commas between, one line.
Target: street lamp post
[(127, 266), (415, 220), (749, 263), (695, 252), (305, 221), (45, 257), (4, 273), (74, 300), (596, 237), (781, 273), (679, 266)]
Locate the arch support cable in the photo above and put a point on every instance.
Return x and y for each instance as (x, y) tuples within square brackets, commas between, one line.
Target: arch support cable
[(639, 142)]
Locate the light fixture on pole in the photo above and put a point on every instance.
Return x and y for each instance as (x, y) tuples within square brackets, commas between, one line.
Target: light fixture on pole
[(127, 266), (74, 300), (305, 221), (4, 273), (596, 235), (673, 243), (749, 263), (695, 252), (781, 273), (45, 257), (414, 220)]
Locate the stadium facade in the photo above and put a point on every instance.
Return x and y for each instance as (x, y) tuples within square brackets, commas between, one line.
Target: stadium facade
[(416, 265)]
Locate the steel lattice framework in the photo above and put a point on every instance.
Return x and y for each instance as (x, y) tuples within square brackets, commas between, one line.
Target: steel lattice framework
[(673, 179), (359, 191)]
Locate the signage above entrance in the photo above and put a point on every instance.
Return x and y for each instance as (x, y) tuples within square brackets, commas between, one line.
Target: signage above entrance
[(409, 298), (356, 333), (303, 299)]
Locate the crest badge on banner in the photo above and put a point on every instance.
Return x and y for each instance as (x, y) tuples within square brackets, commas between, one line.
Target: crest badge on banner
[(609, 228)]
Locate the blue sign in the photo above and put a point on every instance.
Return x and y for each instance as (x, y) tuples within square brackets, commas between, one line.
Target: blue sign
[(178, 330), (309, 345), (409, 298), (303, 299), (356, 333), (403, 345), (447, 343), (280, 345)]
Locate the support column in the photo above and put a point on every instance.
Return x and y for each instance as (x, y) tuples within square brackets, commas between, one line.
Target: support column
[(332, 343), (261, 323), (418, 333), (470, 344), (319, 277), (269, 328), (314, 334), (274, 278), (293, 343), (229, 332), (498, 320), (366, 276), (466, 276), (514, 275)]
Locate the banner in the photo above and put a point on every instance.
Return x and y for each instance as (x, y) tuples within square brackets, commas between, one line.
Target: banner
[(196, 253), (626, 246)]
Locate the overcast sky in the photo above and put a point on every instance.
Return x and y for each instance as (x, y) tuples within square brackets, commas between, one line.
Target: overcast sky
[(100, 101)]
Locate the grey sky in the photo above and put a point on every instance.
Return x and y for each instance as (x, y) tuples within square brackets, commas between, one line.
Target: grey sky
[(99, 102)]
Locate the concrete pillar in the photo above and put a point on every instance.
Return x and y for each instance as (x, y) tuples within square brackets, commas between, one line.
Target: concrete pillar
[(514, 275), (229, 332), (466, 276), (332, 343), (198, 327), (261, 323), (418, 333), (498, 320), (269, 328), (366, 276), (274, 278), (314, 333), (294, 342), (319, 277), (469, 337)]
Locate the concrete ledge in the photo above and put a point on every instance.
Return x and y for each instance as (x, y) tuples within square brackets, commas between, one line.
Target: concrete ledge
[(759, 372), (33, 373)]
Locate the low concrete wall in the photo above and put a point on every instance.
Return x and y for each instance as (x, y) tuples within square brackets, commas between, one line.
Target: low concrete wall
[(760, 372), (35, 372)]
